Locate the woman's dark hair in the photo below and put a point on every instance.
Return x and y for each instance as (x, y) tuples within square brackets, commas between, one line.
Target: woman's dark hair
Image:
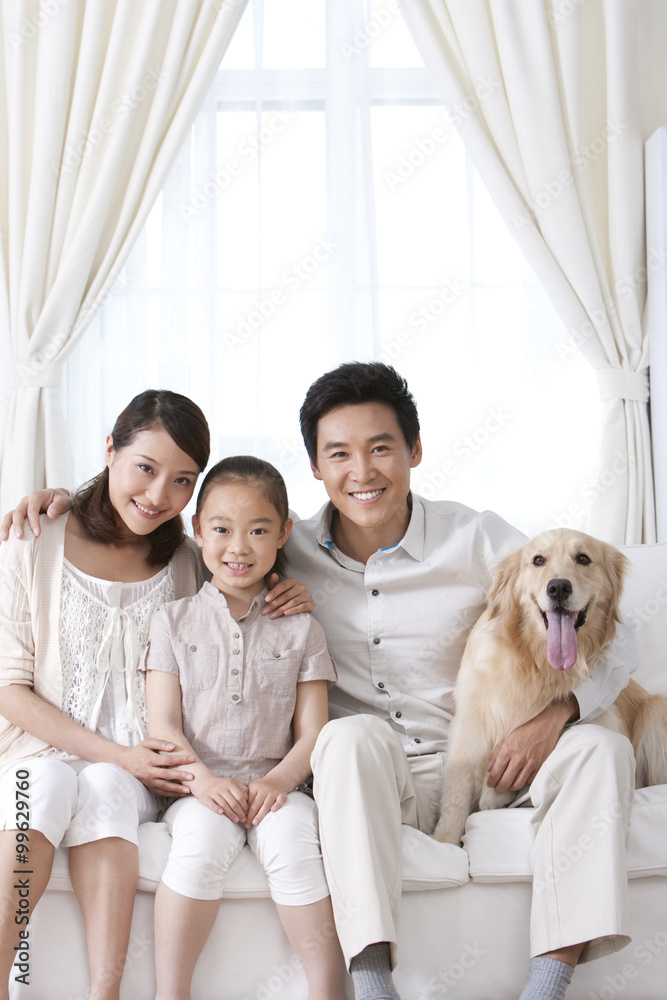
[(248, 469), (358, 382), (187, 427)]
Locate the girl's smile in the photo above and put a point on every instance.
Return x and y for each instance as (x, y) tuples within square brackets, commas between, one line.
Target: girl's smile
[(239, 532)]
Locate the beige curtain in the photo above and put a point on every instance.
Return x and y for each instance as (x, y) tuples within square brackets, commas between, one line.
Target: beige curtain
[(555, 99), (95, 100)]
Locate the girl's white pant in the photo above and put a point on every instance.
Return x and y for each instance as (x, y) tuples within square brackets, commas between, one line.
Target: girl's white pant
[(286, 843), (74, 802), (365, 789)]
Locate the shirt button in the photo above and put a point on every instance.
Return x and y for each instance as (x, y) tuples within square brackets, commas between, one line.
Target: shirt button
[(376, 641), (417, 740), (398, 714), (380, 684), (234, 671), (237, 635), (375, 592), (235, 697), (277, 656), (236, 651), (193, 649)]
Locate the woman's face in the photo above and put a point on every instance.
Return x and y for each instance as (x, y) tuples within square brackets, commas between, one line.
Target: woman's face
[(150, 480)]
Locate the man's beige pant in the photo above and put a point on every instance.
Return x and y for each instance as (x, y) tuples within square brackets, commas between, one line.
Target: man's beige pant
[(366, 788)]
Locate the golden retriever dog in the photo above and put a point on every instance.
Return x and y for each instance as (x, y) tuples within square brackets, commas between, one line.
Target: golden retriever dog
[(552, 611)]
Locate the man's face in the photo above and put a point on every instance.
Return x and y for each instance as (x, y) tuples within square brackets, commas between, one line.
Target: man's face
[(364, 462)]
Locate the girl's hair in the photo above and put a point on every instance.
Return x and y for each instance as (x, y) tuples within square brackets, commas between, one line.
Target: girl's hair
[(248, 469), (187, 427)]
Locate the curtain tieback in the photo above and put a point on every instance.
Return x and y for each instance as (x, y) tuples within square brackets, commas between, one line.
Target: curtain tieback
[(29, 375), (618, 383)]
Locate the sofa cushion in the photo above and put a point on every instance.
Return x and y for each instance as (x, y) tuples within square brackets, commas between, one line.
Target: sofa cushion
[(499, 841), (426, 865), (644, 608)]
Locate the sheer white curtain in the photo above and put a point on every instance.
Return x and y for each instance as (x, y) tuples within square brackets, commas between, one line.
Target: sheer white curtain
[(256, 270), (324, 209), (554, 100), (95, 100)]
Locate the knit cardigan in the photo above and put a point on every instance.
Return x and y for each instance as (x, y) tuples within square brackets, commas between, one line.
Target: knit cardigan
[(30, 582)]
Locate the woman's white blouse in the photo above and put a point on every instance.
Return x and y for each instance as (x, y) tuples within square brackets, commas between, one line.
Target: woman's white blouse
[(103, 632)]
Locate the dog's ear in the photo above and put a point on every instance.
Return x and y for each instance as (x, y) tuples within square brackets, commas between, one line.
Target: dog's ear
[(501, 598), (616, 565)]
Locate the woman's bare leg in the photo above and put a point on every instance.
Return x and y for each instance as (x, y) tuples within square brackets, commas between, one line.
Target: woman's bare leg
[(104, 877), (19, 882)]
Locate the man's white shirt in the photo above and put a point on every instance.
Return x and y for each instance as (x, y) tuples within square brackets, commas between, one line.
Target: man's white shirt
[(397, 626)]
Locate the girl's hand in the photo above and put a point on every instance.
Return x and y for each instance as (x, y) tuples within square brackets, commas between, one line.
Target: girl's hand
[(287, 597), (264, 795), (51, 502), (154, 763), (224, 796)]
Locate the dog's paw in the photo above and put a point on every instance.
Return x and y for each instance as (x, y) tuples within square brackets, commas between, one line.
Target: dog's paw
[(491, 799)]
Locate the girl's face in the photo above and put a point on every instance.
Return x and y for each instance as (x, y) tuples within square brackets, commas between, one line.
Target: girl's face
[(239, 532), (150, 480)]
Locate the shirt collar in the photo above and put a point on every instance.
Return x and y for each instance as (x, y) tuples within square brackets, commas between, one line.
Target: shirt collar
[(412, 541), (212, 594)]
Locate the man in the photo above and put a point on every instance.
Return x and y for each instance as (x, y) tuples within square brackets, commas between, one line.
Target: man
[(398, 583)]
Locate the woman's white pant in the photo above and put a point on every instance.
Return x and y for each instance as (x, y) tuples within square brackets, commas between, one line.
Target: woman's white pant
[(74, 802), (365, 789), (286, 843)]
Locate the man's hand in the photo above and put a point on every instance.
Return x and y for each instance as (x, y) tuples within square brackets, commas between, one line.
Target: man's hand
[(155, 764), (287, 597), (517, 758), (264, 795), (50, 502)]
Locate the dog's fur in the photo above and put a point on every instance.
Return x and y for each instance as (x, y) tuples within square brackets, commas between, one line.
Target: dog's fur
[(561, 580)]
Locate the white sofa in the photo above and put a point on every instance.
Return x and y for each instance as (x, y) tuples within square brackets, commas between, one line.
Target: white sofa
[(464, 920)]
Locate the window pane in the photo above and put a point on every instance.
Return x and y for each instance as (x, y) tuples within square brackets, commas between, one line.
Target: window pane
[(420, 196), (294, 34), (392, 43), (233, 293)]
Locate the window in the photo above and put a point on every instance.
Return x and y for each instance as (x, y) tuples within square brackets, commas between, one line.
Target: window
[(324, 209)]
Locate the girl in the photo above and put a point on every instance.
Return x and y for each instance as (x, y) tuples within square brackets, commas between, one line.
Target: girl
[(75, 606), (247, 696)]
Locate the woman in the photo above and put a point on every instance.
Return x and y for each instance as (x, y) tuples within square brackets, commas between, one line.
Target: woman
[(75, 607)]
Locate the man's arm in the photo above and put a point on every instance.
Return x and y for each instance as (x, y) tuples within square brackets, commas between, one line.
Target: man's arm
[(515, 761), (52, 502), (518, 757)]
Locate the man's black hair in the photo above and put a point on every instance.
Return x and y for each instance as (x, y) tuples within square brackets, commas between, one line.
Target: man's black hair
[(358, 382)]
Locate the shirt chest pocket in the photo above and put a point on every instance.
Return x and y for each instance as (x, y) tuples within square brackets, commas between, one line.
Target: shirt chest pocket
[(198, 664), (278, 673)]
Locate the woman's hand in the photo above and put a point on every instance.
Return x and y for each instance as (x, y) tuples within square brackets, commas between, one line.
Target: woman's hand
[(286, 597), (50, 502), (264, 795), (224, 796), (155, 764)]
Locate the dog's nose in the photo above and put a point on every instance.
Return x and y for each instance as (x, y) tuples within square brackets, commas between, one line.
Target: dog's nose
[(559, 590)]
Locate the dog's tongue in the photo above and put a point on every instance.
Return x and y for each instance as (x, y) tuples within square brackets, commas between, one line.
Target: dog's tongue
[(561, 640)]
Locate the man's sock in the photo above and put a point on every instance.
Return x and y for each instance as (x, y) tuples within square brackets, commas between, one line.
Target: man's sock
[(548, 979), (371, 972)]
